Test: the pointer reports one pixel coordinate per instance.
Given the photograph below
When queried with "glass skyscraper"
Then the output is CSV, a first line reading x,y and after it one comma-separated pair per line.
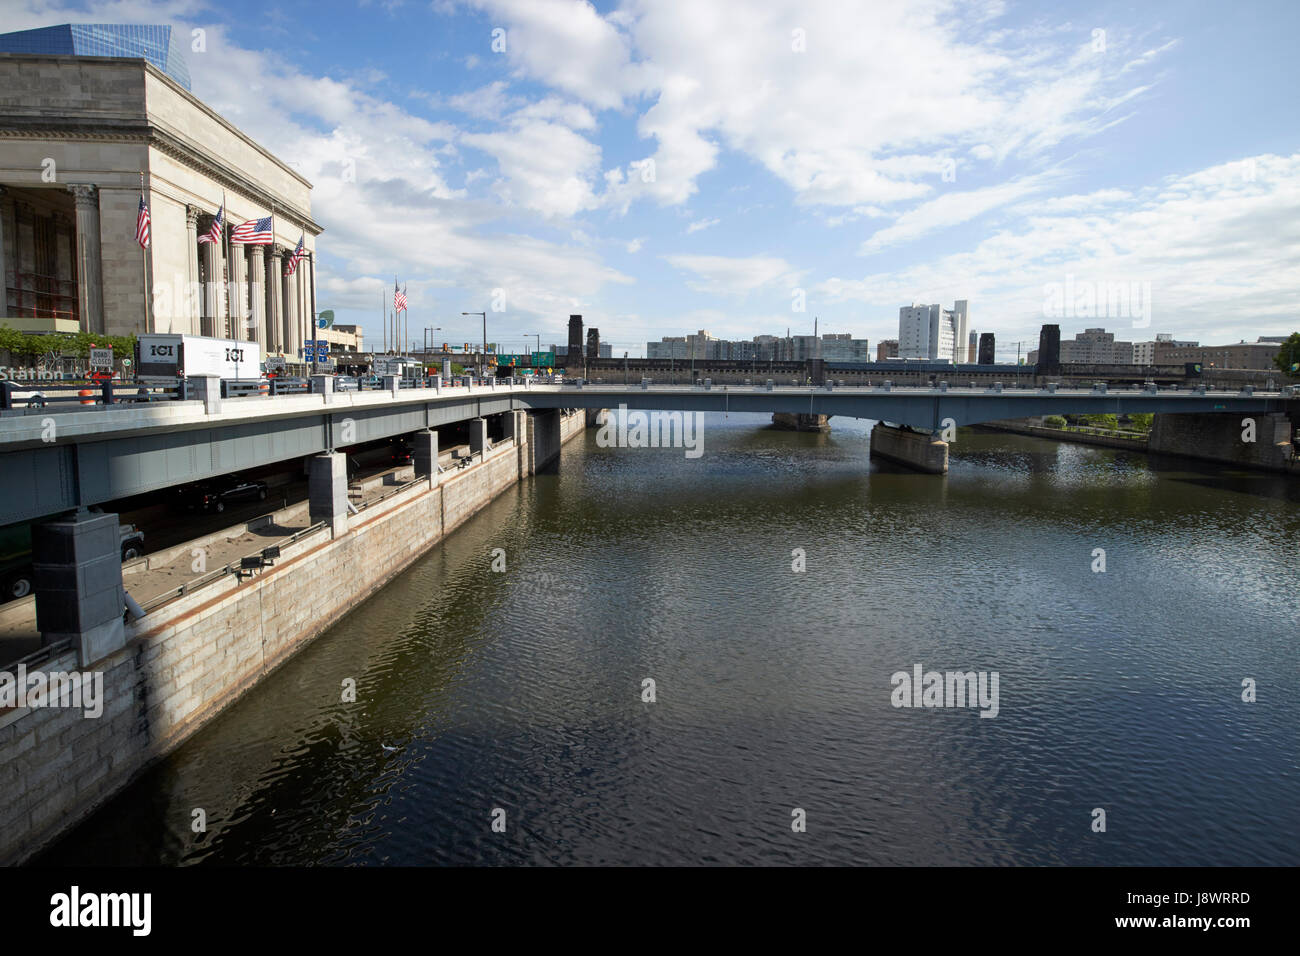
x,y
157,44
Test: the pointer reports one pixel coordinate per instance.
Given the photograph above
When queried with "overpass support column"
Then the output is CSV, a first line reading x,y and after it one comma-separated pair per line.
x,y
327,491
424,454
513,423
921,451
543,439
1222,436
478,440
77,569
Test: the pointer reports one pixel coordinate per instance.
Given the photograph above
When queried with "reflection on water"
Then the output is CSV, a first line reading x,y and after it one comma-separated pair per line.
x,y
522,690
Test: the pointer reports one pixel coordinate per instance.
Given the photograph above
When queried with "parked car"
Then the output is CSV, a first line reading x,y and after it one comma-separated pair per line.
x,y
216,494
346,383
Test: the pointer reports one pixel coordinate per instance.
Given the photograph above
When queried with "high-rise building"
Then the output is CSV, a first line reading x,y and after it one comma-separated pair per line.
x,y
1096,347
575,336
987,349
887,349
933,333
972,347
155,43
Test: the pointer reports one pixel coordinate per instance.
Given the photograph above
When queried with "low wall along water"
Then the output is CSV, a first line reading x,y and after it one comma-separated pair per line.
x,y
192,657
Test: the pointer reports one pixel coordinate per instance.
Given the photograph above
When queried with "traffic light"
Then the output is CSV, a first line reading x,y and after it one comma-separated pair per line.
x,y
444,347
466,346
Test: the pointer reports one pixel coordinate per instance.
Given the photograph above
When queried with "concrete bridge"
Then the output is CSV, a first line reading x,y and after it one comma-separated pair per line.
x,y
53,461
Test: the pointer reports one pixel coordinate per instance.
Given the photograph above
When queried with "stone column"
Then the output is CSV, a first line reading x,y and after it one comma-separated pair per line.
x,y
291,343
274,310
424,454
77,569
4,272
211,290
90,290
256,300
193,295
327,491
235,294
478,440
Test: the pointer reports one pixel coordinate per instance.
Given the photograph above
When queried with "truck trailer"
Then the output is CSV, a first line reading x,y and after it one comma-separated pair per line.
x,y
163,358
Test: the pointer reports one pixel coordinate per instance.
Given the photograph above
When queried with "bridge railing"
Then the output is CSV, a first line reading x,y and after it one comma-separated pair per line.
x,y
16,396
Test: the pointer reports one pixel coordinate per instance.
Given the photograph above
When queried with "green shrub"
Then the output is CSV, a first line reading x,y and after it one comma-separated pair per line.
x,y
1054,421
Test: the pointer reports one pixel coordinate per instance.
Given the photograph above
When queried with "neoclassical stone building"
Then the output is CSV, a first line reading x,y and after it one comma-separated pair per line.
x,y
76,132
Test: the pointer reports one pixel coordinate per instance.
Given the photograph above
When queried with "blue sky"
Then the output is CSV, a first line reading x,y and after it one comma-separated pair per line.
x,y
849,158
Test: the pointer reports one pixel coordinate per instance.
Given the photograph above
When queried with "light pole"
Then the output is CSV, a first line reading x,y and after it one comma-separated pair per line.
x,y
482,365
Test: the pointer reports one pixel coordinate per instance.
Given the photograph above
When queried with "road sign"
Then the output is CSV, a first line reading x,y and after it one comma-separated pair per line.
x,y
275,363
325,319
101,360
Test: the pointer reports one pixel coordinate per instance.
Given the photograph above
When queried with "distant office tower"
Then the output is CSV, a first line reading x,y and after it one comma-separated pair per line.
x,y
160,45
972,347
986,349
887,349
931,332
575,336
593,343
1049,350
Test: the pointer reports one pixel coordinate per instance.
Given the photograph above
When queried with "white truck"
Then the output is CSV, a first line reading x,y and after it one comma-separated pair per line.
x,y
163,358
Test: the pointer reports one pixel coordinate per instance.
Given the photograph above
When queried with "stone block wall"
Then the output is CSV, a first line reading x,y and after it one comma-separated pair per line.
x,y
189,659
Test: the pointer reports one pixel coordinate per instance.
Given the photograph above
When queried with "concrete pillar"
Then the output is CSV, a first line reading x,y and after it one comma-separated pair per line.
x,y
920,451
424,454
323,385
211,323
4,271
513,423
274,308
478,440
77,569
327,491
90,288
292,346
235,295
205,389
256,299
544,430
193,298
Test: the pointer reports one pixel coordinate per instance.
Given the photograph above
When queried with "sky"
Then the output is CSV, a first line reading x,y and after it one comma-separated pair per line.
x,y
753,166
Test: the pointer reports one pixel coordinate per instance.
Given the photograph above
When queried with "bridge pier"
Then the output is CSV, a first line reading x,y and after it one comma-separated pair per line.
x,y
801,422
327,491
921,451
478,436
544,439
1220,436
77,571
424,454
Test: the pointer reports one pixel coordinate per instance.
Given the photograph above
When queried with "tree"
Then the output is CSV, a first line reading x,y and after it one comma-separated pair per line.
x,y
1141,421
1287,358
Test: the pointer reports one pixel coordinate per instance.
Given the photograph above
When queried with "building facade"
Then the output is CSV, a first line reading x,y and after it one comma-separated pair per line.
x,y
933,333
77,134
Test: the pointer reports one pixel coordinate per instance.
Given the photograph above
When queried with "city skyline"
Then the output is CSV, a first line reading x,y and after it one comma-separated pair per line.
x,y
495,157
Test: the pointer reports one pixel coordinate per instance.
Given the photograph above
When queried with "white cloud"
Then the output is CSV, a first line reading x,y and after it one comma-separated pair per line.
x,y
1218,247
950,209
701,224
735,276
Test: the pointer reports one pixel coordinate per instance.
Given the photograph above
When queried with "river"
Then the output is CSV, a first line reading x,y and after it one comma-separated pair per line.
x,y
522,690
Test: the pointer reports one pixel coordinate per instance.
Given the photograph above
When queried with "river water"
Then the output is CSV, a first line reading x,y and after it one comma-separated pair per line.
x,y
522,691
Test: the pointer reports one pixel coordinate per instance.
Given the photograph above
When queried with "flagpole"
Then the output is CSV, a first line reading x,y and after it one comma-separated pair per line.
x,y
225,252
315,332
144,261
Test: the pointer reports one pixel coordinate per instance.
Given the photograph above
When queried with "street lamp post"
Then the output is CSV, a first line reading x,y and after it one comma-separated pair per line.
x,y
482,365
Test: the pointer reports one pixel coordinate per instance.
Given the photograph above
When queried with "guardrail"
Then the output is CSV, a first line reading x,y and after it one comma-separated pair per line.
x,y
232,567
36,395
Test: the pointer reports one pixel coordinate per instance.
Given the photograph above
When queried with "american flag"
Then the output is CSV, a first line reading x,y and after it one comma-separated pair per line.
x,y
255,232
214,234
399,298
294,259
142,225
